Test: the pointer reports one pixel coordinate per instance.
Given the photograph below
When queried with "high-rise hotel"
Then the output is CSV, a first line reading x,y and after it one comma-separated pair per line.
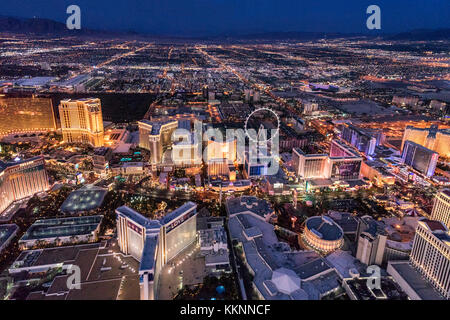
x,y
430,254
156,136
441,208
26,114
432,138
21,179
82,121
155,242
343,163
420,158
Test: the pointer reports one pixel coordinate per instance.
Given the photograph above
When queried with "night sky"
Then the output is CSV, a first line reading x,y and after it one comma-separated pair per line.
x,y
231,17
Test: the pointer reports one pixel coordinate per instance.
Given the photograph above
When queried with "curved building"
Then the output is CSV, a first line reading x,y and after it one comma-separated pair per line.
x,y
323,234
26,114
21,179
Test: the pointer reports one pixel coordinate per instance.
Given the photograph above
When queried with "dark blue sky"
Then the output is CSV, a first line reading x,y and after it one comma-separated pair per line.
x,y
211,17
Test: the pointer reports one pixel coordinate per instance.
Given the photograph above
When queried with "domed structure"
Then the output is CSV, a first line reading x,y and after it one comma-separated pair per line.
x,y
286,280
323,234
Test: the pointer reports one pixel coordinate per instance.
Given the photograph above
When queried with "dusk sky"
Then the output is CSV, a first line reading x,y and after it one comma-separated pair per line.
x,y
212,17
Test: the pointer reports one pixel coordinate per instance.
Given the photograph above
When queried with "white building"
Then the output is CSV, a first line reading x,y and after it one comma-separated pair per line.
x,y
431,254
441,208
155,242
371,241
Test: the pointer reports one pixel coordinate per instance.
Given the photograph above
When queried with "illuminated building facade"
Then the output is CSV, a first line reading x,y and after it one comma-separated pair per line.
x,y
441,207
155,242
377,172
431,254
322,234
22,115
256,165
186,149
100,160
362,140
21,179
156,136
309,166
405,100
420,158
82,121
222,149
432,138
341,164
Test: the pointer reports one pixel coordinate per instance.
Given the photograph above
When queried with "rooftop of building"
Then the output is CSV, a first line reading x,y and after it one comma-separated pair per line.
x,y
415,280
345,264
50,256
372,226
209,237
18,161
388,289
62,227
446,192
188,206
7,231
252,204
345,220
400,231
147,223
101,151
280,273
87,198
303,153
73,81
84,100
432,129
419,146
434,225
324,228
106,274
138,218
34,81
148,253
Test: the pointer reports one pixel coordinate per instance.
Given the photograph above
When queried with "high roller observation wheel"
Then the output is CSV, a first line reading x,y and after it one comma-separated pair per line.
x,y
257,110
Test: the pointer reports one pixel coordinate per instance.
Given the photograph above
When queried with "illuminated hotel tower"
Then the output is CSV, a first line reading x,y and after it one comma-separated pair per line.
x,y
21,179
28,114
431,254
82,121
441,208
432,138
154,243
155,136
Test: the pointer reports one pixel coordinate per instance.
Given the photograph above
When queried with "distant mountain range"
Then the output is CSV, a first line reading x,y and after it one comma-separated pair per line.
x,y
39,26
421,35
43,27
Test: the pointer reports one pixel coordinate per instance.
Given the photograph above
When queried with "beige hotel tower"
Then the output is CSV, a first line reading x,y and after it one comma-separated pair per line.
x,y
82,121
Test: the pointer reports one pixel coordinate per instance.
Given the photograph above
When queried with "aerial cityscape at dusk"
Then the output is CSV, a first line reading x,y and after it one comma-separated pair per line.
x,y
265,164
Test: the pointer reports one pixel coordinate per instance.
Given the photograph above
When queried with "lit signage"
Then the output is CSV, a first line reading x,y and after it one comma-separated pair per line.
x,y
134,227
180,220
